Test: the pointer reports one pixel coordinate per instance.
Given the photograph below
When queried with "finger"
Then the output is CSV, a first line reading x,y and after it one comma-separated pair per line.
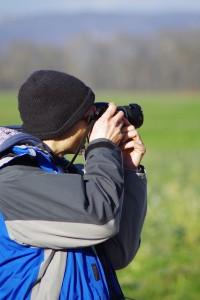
x,y
138,139
110,111
127,145
137,146
127,128
130,135
127,123
119,118
131,132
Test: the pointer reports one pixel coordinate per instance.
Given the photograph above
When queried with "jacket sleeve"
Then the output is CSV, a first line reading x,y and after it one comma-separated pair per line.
x,y
61,211
121,249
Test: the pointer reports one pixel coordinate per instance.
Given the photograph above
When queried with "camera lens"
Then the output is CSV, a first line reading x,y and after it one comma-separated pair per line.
x,y
133,112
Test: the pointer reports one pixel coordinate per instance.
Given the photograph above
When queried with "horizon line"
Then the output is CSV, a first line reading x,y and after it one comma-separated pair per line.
x,y
101,11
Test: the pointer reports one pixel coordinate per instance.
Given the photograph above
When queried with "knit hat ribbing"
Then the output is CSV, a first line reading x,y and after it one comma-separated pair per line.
x,y
51,102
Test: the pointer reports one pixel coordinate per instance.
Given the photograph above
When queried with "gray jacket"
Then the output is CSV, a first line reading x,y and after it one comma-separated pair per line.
x,y
105,207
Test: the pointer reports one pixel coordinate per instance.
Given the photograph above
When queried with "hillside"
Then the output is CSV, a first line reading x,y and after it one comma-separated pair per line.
x,y
60,28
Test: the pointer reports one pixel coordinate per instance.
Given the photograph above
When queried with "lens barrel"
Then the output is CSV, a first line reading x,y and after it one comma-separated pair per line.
x,y
133,112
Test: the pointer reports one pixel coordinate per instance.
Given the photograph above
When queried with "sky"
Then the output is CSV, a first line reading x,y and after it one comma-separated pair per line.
x,y
24,7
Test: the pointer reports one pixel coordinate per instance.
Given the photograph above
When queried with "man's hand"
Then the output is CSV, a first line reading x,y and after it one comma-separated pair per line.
x,y
109,125
132,146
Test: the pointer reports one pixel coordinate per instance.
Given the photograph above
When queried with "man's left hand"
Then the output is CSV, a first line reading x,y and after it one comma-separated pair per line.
x,y
132,146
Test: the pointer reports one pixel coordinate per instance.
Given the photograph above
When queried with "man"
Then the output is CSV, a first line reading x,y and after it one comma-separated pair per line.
x,y
64,231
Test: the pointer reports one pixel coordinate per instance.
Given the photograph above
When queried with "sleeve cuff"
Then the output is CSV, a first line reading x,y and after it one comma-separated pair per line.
x,y
100,143
139,170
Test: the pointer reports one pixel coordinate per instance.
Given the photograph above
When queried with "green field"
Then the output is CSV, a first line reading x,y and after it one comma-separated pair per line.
x,y
167,267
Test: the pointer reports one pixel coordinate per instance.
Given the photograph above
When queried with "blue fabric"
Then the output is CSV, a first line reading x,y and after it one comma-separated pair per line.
x,y
19,137
44,159
19,267
84,277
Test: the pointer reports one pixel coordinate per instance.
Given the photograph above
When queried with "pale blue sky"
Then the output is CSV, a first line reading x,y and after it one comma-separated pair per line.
x,y
18,7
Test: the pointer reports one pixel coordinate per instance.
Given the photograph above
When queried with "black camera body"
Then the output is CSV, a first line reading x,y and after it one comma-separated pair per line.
x,y
132,112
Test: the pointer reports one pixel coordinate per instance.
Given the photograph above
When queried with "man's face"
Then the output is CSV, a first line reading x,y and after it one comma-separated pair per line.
x,y
76,133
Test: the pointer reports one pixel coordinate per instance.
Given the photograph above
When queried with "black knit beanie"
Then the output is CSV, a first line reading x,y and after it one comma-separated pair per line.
x,y
51,102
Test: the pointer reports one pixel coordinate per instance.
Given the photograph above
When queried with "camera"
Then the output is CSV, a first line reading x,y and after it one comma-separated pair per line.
x,y
132,112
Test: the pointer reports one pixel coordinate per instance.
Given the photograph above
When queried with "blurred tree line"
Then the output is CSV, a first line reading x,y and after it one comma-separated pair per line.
x,y
165,61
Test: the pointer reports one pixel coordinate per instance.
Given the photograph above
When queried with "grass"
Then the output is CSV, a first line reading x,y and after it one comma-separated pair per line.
x,y
167,266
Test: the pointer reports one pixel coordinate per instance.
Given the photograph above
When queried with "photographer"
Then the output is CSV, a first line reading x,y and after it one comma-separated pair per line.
x,y
64,232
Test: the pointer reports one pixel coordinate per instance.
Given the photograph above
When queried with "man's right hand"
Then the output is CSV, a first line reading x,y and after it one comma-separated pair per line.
x,y
109,125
